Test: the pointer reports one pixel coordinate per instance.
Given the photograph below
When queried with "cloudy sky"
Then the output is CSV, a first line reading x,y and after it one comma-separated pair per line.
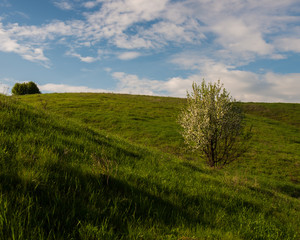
x,y
156,47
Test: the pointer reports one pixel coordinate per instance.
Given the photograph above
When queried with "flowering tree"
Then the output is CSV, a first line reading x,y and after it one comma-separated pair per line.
x,y
213,124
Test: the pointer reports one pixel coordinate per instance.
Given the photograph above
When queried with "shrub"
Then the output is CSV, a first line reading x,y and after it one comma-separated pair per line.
x,y
213,124
25,88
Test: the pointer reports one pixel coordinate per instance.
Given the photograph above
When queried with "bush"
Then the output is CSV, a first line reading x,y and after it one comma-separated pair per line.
x,y
25,88
213,124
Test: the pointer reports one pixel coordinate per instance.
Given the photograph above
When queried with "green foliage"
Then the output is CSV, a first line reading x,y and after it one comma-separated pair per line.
x,y
19,89
32,88
213,124
63,178
25,88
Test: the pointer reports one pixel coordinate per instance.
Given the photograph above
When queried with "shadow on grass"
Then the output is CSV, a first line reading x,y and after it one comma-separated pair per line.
x,y
194,168
64,200
291,190
67,197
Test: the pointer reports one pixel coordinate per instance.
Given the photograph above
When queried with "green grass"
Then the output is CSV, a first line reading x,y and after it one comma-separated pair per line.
x,y
284,112
146,120
106,166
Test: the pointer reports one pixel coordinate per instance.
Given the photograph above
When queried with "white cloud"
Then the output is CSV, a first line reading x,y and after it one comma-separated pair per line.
x,y
39,35
34,54
165,32
284,86
63,88
129,55
107,69
129,83
240,31
115,17
147,10
30,41
87,59
132,42
244,85
234,29
238,37
288,44
64,5
4,88
178,86
92,4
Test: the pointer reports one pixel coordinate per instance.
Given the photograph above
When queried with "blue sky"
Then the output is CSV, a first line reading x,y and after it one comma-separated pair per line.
x,y
157,47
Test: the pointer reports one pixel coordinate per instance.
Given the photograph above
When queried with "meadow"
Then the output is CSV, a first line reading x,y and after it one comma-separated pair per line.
x,y
112,166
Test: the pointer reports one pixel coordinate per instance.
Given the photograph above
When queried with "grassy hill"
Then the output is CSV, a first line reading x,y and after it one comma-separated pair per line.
x,y
107,166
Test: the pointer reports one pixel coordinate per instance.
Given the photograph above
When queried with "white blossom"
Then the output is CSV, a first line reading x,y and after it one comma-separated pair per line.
x,y
213,124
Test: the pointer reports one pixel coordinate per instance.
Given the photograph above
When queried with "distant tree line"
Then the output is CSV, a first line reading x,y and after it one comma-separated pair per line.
x,y
25,88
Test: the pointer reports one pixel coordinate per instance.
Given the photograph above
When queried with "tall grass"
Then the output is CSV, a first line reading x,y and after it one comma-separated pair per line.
x,y
62,178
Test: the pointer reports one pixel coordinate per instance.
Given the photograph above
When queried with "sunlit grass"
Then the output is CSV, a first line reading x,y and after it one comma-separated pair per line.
x,y
107,173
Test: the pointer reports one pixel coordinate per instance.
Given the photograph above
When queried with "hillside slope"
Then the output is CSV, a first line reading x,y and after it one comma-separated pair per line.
x,y
64,179
152,121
